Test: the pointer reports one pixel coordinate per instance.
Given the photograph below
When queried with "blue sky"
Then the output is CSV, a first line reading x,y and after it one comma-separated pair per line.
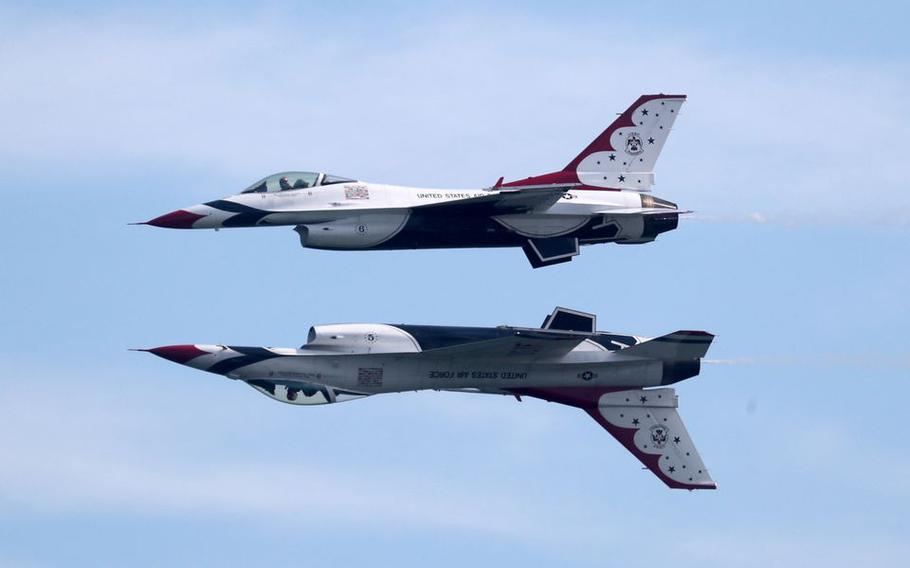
x,y
790,150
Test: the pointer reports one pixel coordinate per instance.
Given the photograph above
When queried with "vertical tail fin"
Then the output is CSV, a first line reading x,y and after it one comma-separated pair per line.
x,y
647,424
623,156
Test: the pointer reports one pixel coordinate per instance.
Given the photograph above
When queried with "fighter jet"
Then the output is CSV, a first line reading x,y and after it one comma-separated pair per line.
x,y
598,197
619,380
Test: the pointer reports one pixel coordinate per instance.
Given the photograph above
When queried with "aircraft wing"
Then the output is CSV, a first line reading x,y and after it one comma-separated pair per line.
x,y
504,200
522,344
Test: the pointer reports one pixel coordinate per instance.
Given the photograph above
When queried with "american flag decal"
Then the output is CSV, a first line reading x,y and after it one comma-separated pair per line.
x,y
369,376
356,192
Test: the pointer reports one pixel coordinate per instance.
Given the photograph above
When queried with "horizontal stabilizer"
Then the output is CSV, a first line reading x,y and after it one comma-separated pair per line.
x,y
647,424
529,198
502,200
676,346
527,345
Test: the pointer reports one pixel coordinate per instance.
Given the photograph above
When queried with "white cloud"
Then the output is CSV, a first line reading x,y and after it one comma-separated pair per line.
x,y
456,103
82,451
758,217
105,447
808,546
817,445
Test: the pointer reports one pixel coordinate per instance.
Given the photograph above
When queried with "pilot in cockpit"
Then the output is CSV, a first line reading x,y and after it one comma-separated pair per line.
x,y
286,185
282,182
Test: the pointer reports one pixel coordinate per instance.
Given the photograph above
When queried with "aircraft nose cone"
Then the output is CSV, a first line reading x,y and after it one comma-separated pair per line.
x,y
178,353
180,219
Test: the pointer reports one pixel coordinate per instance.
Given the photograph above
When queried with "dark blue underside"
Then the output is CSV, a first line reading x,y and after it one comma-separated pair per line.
x,y
461,227
430,230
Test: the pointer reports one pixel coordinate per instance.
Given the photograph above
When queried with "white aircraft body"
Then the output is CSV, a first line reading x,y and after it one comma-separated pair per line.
x,y
599,197
619,380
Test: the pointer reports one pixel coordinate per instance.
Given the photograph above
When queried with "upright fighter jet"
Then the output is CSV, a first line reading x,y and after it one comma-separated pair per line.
x,y
619,380
598,197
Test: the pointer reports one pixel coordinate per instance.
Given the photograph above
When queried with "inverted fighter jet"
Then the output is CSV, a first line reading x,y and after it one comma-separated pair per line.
x,y
619,380
599,197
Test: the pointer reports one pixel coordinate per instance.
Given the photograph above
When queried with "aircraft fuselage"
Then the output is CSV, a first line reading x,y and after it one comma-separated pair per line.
x,y
362,215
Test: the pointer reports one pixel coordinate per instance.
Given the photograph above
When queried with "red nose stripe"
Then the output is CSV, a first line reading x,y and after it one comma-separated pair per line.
x,y
179,219
178,353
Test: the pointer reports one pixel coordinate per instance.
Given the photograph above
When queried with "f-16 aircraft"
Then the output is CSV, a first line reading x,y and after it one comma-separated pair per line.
x,y
619,380
598,197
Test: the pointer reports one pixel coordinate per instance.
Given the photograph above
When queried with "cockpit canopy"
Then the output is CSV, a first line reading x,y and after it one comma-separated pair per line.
x,y
286,181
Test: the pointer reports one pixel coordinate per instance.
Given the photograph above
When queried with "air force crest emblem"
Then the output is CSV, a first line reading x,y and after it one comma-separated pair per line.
x,y
633,144
659,435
